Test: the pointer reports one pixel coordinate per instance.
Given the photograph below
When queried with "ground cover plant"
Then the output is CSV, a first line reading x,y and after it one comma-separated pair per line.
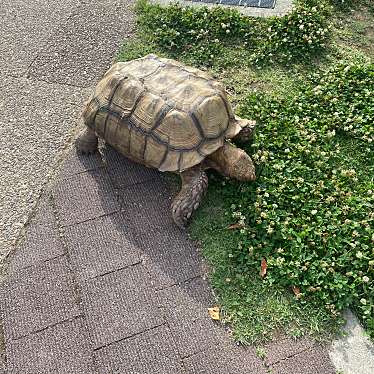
x,y
293,249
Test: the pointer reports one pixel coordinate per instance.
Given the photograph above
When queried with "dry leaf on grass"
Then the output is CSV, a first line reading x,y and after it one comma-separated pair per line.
x,y
296,291
264,266
214,313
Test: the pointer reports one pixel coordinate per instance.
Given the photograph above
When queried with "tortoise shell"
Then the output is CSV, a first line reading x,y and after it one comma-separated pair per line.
x,y
161,113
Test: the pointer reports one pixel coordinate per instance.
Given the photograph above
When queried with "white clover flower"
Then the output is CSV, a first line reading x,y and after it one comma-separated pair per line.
x,y
365,279
313,212
270,230
359,254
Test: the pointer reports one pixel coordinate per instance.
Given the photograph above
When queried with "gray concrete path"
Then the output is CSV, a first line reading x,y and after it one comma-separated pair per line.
x,y
252,9
354,353
101,280
50,52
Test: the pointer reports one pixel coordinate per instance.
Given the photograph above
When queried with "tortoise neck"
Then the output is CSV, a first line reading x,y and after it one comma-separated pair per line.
x,y
232,162
217,160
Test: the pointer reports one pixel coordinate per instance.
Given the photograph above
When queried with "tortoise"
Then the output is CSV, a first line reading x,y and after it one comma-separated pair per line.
x,y
165,115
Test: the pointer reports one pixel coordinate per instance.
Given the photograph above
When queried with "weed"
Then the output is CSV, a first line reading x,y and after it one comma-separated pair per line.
x,y
309,82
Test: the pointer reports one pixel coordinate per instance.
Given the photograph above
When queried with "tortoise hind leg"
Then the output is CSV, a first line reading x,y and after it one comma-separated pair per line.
x,y
87,141
194,186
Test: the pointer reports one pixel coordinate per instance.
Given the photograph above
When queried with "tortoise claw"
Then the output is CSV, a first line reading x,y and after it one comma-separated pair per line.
x,y
87,142
86,152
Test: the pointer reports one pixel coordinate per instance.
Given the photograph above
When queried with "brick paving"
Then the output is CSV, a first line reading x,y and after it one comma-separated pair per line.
x,y
93,290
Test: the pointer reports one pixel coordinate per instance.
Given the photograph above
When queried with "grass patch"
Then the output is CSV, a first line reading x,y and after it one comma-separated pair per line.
x,y
307,78
255,310
355,28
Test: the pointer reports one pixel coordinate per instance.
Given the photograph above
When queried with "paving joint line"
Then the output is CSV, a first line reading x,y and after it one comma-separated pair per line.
x,y
71,176
33,332
91,219
112,179
26,74
76,287
161,309
176,347
14,246
44,192
129,337
40,263
115,271
288,357
196,353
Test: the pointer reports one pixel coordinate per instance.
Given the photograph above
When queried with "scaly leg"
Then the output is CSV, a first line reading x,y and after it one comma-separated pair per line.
x,y
194,185
87,141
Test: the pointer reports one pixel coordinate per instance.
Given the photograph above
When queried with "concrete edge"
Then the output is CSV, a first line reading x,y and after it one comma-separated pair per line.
x,y
282,7
353,353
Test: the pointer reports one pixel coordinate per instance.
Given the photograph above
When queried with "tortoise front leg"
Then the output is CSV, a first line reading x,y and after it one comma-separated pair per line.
x,y
194,185
87,141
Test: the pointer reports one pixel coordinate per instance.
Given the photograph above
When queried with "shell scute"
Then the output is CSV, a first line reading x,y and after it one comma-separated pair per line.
x,y
212,113
146,112
161,113
179,131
